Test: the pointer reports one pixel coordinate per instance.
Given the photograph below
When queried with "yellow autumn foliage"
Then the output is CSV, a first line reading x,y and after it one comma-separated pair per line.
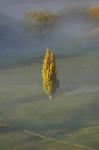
x,y
49,73
93,12
38,19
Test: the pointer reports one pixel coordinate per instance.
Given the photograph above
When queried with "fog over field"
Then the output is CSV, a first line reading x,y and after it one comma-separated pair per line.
x,y
29,120
69,36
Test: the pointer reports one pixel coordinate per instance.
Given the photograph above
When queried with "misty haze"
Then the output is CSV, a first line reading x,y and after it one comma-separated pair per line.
x,y
34,33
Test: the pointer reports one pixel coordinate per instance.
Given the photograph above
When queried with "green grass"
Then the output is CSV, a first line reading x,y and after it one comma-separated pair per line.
x,y
88,136
71,117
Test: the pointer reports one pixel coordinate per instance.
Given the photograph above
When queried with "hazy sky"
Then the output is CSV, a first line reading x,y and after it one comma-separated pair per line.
x,y
17,8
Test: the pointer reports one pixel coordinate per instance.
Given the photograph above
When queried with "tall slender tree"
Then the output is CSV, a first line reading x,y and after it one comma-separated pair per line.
x,y
49,73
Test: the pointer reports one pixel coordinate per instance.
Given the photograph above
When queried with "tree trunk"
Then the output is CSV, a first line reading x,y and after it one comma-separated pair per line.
x,y
50,96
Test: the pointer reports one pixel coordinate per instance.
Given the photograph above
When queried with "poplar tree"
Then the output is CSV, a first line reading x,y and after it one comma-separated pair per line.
x,y
49,73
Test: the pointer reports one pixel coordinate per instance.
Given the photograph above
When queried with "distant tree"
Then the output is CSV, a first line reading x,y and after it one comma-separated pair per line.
x,y
40,19
49,73
93,12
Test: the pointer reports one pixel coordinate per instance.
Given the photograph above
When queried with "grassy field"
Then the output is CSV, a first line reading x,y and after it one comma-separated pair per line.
x,y
30,121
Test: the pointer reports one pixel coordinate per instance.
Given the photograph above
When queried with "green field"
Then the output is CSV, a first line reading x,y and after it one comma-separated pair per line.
x,y
69,121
